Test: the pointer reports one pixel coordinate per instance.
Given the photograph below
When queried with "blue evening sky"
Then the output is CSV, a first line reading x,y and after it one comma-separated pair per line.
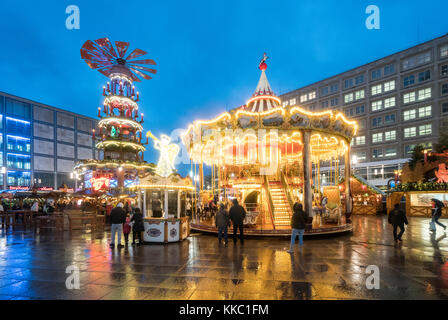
x,y
207,52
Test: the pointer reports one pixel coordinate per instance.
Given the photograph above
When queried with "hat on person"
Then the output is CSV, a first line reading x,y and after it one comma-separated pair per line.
x,y
120,205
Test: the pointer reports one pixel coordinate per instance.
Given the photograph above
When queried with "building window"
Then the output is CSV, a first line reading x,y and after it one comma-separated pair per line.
x,y
377,137
348,83
390,135
312,95
334,102
409,115
410,132
445,107
389,86
389,119
444,89
444,51
376,90
409,97
360,109
292,102
389,69
334,88
18,161
409,148
16,143
359,94
324,105
444,71
425,129
376,122
377,105
409,80
285,103
424,75
389,102
348,98
376,74
18,108
359,79
424,94
303,98
417,60
361,140
377,153
361,156
424,112
390,152
19,178
17,126
324,91
349,112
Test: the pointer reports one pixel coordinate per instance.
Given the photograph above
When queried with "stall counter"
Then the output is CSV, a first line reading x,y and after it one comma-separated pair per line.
x,y
162,230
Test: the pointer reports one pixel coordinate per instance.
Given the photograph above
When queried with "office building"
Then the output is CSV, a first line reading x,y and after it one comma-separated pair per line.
x,y
40,144
398,101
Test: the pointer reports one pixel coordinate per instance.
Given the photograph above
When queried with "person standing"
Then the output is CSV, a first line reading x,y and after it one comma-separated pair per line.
x,y
397,218
126,229
237,215
437,213
117,218
137,226
298,222
222,222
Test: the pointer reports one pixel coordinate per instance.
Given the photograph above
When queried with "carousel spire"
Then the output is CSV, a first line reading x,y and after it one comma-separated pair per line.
x,y
264,98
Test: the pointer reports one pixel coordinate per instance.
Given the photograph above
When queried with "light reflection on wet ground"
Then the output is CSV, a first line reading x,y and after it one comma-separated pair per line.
x,y
32,266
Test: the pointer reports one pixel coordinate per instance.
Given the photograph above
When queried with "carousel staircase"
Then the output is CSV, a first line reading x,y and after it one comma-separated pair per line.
x,y
281,210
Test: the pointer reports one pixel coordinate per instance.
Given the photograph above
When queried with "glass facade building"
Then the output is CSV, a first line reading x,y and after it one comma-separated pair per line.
x,y
40,144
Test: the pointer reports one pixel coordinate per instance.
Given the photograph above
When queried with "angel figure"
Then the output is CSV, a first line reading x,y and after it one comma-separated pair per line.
x,y
168,153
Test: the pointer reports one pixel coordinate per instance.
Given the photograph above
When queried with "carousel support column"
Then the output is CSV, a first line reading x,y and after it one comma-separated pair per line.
x,y
166,205
144,203
347,173
201,176
306,157
139,200
178,203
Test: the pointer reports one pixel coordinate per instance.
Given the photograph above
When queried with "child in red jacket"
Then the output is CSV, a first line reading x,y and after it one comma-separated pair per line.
x,y
127,229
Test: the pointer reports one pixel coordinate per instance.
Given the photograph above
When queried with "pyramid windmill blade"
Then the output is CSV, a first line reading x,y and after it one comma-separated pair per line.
x,y
146,61
131,65
122,47
106,46
136,53
141,74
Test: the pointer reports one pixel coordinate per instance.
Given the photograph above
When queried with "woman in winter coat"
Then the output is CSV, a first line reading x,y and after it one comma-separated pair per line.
x,y
137,227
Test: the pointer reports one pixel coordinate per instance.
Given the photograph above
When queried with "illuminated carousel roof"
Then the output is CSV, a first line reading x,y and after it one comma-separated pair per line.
x,y
264,98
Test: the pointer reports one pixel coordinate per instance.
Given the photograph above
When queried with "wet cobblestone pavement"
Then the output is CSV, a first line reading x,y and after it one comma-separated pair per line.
x,y
32,266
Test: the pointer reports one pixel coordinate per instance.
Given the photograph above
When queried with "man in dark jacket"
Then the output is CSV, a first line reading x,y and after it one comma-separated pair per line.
x,y
237,215
222,222
117,218
298,223
437,213
397,218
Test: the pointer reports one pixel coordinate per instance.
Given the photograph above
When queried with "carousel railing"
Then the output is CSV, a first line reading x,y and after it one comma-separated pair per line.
x,y
287,190
270,202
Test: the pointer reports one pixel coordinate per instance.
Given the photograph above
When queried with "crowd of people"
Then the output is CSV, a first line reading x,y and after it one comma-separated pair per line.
x,y
122,222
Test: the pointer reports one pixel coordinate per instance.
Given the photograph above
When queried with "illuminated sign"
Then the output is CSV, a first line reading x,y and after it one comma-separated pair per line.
x,y
100,183
45,189
18,188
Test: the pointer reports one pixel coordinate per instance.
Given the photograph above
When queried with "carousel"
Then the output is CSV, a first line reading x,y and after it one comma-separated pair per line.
x,y
269,156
